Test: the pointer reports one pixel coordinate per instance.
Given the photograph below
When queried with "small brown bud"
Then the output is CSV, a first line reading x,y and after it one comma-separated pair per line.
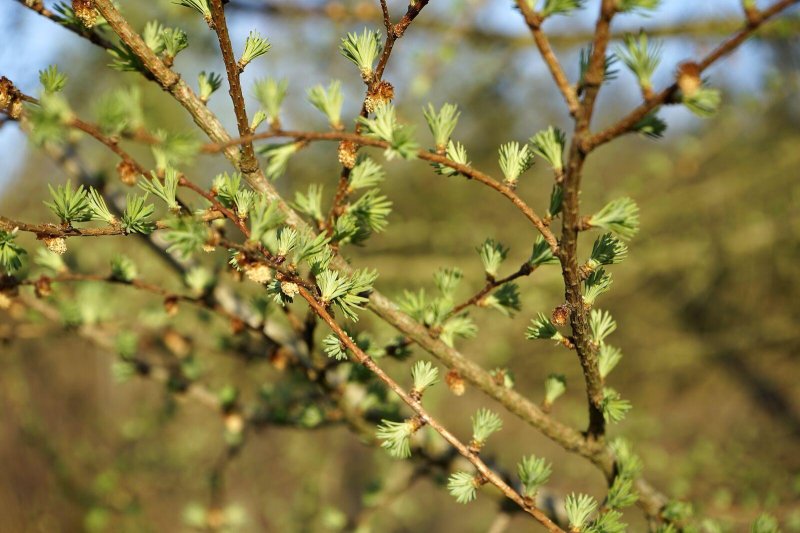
x,y
176,343
127,172
689,79
560,315
381,93
57,245
347,154
237,325
43,287
171,305
85,11
455,382
279,359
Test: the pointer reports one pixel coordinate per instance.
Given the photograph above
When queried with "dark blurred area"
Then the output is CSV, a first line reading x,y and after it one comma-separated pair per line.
x,y
708,301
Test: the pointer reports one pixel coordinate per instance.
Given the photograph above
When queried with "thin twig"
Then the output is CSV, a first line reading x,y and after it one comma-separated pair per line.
x,y
467,170
426,417
627,123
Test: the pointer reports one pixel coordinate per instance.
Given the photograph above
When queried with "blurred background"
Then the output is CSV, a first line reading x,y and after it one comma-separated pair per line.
x,y
707,302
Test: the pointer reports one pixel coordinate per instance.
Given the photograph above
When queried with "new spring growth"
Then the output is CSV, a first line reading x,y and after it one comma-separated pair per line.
x,y
541,254
533,473
651,126
609,73
514,160
136,217
396,436
463,486
610,520
484,424
70,205
99,208
505,299
641,58
579,508
549,145
366,174
614,407
329,101
10,252
621,493
596,284
557,7
166,191
607,359
334,348
554,388
556,201
620,216
385,127
52,80
602,325
44,258
442,124
362,50
270,93
254,46
123,269
765,523
424,375
175,41
207,84
492,255
201,6
174,148
628,464
278,156
345,292
310,203
264,216
607,250
700,100
186,236
200,280
543,328
455,152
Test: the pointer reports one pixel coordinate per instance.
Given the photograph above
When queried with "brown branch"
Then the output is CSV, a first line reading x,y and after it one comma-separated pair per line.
x,y
667,95
172,83
514,402
112,143
50,231
393,33
466,170
427,418
568,251
525,270
248,163
534,22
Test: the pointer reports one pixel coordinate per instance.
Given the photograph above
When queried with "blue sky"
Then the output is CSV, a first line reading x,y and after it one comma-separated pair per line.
x,y
37,42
